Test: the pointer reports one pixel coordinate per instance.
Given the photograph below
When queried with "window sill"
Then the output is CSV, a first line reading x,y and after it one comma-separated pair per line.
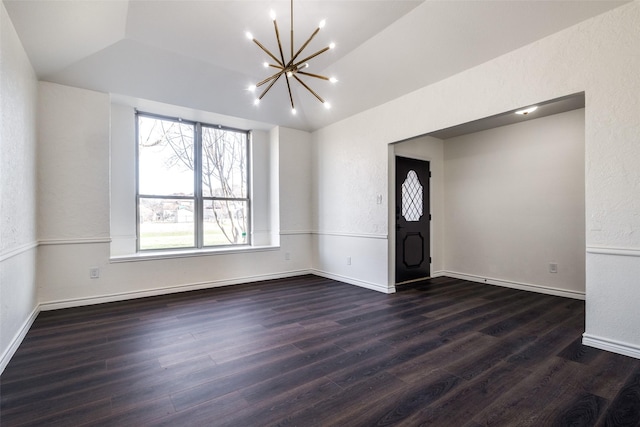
x,y
188,253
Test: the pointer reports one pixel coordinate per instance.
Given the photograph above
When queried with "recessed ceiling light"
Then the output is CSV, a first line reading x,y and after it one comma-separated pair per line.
x,y
526,111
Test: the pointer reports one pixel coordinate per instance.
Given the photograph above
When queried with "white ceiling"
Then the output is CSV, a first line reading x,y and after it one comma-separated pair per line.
x,y
194,53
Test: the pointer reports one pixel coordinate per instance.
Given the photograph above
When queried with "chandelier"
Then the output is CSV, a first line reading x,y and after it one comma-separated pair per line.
x,y
293,68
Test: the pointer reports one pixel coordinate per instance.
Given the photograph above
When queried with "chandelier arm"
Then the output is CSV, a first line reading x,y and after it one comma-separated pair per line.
x,y
275,25
277,76
310,57
268,53
309,89
317,76
293,57
290,61
289,89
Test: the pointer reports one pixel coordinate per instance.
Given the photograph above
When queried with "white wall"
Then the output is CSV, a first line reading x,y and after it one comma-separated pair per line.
x,y
294,202
264,189
122,205
514,202
73,165
294,181
599,56
74,129
18,239
349,175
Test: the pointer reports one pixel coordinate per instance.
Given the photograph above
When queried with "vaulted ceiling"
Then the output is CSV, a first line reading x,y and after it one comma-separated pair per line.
x,y
194,53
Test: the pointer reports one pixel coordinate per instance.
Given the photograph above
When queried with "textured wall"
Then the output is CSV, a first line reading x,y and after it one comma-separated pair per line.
x,y
599,56
18,95
63,272
295,180
122,175
17,159
514,202
73,163
350,172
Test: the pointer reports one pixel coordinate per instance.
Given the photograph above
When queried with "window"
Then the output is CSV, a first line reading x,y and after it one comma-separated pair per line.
x,y
193,184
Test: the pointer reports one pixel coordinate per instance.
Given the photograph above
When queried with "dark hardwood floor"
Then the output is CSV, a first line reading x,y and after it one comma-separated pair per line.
x,y
309,351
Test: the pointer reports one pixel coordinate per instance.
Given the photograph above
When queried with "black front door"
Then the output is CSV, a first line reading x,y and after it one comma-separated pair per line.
x,y
413,256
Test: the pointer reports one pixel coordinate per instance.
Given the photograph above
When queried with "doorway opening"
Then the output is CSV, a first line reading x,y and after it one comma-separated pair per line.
x,y
513,213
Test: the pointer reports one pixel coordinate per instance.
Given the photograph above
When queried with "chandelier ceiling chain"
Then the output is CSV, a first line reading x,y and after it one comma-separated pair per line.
x,y
292,68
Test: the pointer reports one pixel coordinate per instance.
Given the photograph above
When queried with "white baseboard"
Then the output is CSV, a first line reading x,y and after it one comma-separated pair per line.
x,y
356,282
77,302
17,339
516,285
438,273
613,346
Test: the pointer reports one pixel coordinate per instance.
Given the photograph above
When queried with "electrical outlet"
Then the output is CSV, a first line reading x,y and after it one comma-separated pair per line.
x,y
553,267
348,260
287,256
94,273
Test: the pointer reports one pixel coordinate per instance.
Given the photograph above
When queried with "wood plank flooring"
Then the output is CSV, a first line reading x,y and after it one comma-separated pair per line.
x,y
309,351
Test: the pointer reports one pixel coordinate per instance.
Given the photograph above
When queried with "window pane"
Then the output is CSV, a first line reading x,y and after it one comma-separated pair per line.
x,y
225,222
166,223
411,201
165,157
224,163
